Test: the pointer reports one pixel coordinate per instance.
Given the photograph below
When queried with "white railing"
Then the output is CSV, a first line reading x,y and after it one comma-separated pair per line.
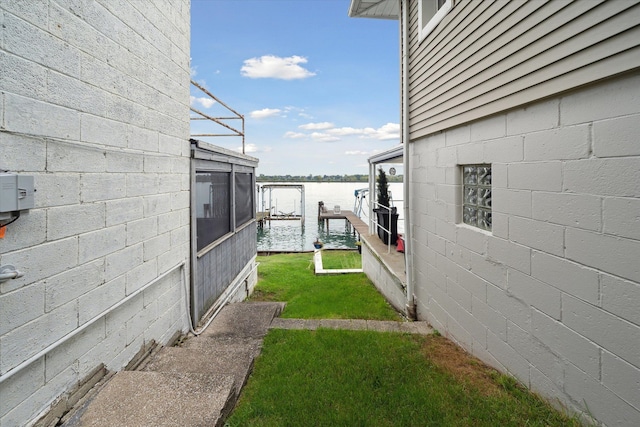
x,y
377,225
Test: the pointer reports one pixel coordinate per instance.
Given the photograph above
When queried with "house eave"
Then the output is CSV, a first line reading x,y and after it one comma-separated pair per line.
x,y
393,155
378,9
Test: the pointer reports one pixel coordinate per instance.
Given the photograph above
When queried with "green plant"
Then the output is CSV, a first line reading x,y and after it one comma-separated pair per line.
x,y
382,193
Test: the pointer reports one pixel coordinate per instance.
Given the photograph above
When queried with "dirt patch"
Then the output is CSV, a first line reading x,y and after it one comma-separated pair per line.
x,y
464,367
259,295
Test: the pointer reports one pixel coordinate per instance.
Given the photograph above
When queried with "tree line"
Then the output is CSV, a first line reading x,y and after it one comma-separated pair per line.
x,y
322,178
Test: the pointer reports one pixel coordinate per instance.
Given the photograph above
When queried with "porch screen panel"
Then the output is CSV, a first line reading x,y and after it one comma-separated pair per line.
x,y
244,198
213,211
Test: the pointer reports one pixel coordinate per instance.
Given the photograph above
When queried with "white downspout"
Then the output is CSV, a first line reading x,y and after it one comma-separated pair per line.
x,y
411,304
372,195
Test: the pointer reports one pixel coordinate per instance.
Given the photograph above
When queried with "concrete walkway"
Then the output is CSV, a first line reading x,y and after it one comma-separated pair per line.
x,y
198,383
421,328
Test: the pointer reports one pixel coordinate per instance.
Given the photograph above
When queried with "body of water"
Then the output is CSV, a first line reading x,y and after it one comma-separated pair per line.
x,y
290,235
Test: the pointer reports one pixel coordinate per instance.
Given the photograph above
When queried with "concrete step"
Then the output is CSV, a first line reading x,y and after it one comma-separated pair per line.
x,y
420,328
196,384
208,356
244,320
134,398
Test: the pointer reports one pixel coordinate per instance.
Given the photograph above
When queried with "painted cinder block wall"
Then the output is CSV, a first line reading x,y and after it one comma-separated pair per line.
x,y
552,293
94,103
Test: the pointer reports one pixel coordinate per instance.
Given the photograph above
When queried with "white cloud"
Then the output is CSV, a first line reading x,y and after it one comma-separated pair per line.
x,y
330,133
317,126
205,102
356,153
253,148
345,131
388,131
323,137
275,67
294,135
264,113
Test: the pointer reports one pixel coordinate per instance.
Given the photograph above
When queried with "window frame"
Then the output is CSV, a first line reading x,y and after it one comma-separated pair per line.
x,y
239,222
205,166
425,28
477,205
229,211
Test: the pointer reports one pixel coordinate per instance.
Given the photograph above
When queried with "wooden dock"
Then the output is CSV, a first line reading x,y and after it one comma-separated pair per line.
x,y
360,226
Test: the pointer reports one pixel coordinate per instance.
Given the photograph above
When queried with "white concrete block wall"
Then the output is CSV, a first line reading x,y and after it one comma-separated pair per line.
x,y
551,294
387,283
94,99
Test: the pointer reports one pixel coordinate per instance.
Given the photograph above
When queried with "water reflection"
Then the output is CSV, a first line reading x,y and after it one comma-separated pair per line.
x,y
291,236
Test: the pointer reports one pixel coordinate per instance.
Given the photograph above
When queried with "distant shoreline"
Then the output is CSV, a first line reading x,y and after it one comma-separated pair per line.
x,y
323,178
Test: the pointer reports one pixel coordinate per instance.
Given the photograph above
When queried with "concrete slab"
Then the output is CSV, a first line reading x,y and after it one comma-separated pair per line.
x,y
334,323
383,326
134,398
311,324
420,328
235,359
223,345
357,324
280,323
244,320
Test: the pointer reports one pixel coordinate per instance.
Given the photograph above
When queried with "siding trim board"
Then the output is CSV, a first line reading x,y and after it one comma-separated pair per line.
x,y
575,38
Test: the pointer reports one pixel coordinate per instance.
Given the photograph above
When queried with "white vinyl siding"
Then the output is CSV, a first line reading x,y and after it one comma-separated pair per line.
x,y
431,12
490,56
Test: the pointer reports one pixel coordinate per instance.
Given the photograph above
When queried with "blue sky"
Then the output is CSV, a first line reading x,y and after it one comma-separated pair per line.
x,y
319,90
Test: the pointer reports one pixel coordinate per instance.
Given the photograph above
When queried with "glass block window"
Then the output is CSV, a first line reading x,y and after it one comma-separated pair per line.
x,y
476,208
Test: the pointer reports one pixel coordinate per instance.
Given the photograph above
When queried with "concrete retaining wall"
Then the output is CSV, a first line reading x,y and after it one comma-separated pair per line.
x,y
551,294
384,280
94,100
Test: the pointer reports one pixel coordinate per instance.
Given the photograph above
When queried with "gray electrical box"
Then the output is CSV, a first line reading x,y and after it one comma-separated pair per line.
x,y
16,192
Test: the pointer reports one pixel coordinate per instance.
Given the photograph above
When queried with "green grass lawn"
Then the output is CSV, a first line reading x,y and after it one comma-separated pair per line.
x,y
364,378
290,278
341,260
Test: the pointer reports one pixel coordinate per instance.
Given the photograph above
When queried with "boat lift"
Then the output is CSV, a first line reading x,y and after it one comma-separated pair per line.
x,y
271,211
360,195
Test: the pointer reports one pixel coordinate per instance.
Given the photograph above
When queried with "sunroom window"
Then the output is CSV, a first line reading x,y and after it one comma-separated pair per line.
x,y
476,200
213,201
